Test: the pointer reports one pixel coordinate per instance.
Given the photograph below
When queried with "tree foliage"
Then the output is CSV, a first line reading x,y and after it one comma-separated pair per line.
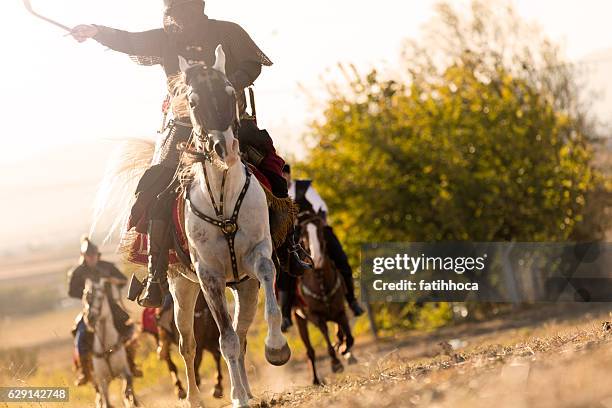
x,y
482,137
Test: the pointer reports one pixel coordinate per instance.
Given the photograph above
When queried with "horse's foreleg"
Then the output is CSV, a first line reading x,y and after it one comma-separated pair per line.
x,y
218,392
302,325
345,328
246,301
277,350
103,393
129,398
213,288
185,294
163,353
336,364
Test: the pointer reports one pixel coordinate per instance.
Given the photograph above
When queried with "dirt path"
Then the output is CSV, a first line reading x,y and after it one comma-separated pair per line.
x,y
548,357
555,357
528,360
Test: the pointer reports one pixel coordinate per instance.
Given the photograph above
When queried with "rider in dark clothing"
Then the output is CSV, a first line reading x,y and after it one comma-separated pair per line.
x,y
93,268
189,33
308,199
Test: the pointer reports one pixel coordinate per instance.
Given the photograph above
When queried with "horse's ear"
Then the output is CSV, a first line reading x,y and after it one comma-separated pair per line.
x,y
183,64
219,59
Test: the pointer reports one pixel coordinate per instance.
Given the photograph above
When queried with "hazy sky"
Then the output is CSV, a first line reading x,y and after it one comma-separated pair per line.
x,y
56,92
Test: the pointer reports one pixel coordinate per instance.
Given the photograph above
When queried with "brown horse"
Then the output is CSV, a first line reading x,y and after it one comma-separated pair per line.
x,y
207,338
322,297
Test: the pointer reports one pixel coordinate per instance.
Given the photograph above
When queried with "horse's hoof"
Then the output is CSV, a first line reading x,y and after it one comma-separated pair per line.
x,y
181,394
350,359
278,357
218,392
238,404
318,382
337,367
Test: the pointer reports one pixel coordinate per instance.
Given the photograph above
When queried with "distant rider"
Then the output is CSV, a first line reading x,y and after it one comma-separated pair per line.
x,y
308,199
93,268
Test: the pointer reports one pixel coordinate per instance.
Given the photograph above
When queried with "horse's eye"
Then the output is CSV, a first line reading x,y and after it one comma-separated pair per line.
x,y
193,100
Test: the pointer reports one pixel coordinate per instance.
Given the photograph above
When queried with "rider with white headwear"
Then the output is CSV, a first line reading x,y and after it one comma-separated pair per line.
x,y
308,199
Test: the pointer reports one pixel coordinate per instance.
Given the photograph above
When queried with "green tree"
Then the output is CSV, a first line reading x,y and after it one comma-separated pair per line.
x,y
484,138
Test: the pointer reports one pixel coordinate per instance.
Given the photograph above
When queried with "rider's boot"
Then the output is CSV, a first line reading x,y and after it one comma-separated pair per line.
x,y
157,281
130,349
355,307
297,267
284,298
84,370
349,284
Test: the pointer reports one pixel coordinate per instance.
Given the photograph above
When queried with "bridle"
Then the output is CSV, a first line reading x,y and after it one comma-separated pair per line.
x,y
307,217
228,226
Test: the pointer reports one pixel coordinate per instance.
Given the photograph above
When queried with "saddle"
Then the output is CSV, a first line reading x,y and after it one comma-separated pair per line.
x,y
282,212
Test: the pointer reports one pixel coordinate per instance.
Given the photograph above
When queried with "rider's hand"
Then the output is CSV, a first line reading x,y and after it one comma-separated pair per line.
x,y
83,32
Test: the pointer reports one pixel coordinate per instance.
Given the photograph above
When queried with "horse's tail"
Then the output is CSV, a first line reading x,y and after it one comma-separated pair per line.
x,y
115,194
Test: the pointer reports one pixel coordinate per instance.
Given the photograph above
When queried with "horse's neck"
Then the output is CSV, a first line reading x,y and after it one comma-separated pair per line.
x,y
106,333
234,182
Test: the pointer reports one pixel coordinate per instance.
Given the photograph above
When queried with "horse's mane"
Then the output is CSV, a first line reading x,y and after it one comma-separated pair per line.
x,y
177,87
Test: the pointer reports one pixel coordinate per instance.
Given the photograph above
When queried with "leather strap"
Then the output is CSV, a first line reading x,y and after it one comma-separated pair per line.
x,y
228,226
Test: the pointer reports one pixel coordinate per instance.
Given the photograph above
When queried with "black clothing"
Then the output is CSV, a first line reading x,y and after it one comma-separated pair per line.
x,y
301,186
78,275
243,57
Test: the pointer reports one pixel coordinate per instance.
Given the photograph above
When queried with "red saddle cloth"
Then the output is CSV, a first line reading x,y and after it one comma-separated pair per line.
x,y
138,250
148,320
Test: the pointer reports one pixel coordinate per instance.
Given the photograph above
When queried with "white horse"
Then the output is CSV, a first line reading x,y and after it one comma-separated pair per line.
x,y
227,226
109,354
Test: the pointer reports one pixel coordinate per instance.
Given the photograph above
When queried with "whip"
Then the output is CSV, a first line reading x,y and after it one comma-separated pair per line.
x,y
28,7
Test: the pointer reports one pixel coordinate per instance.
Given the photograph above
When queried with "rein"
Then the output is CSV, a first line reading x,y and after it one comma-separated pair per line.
x,y
228,226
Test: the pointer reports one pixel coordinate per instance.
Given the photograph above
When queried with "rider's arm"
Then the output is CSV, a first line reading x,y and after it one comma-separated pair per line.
x,y
152,43
245,75
76,282
249,58
115,275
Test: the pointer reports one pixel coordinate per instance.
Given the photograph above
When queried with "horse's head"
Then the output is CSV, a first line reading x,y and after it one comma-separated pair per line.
x,y
93,303
213,108
312,237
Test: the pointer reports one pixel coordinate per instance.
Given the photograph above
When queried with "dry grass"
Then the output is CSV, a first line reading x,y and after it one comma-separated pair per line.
x,y
550,364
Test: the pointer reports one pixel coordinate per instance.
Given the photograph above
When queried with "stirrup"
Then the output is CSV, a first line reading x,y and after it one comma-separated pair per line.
x,y
135,288
153,294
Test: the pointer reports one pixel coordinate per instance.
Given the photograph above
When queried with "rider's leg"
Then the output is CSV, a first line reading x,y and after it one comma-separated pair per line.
x,y
160,240
337,254
160,212
84,356
285,284
295,252
260,151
